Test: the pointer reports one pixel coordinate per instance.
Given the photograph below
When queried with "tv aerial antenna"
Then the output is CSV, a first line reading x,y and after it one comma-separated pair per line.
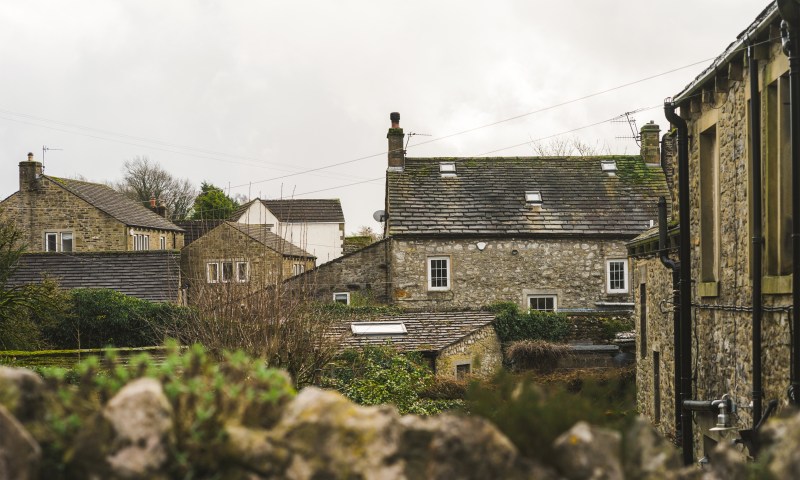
x,y
46,149
412,134
627,118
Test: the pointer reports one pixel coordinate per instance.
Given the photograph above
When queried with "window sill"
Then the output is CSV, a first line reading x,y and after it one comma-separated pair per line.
x,y
776,285
708,289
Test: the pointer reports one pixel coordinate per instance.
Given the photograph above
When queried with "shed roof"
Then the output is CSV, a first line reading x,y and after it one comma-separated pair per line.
x,y
130,212
427,331
487,196
149,275
302,210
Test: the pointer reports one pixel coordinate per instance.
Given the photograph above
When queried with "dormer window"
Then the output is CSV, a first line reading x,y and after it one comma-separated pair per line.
x,y
608,166
447,169
533,197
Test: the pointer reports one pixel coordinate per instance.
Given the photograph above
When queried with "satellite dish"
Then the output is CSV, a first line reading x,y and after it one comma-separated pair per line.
x,y
380,216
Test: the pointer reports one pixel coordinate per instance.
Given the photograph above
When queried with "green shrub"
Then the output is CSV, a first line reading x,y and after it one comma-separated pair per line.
x,y
381,375
102,317
540,355
613,325
511,324
204,395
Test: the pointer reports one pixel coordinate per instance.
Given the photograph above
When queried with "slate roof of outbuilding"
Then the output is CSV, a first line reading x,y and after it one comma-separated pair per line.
x,y
127,211
299,210
261,234
487,197
194,229
150,275
427,331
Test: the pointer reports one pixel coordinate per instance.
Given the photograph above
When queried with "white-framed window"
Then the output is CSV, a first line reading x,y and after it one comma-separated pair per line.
x,y
163,242
298,268
58,241
141,241
463,370
226,268
543,303
212,272
341,297
242,272
438,273
617,276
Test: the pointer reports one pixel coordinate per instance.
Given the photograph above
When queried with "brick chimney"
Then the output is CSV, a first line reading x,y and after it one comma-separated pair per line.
x,y
397,156
650,144
30,174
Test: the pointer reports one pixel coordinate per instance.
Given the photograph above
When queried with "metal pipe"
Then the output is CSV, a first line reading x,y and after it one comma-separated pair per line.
x,y
790,35
685,287
676,317
756,260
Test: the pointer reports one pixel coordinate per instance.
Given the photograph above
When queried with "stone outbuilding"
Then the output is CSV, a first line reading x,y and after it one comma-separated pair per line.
x,y
456,344
546,233
239,258
723,182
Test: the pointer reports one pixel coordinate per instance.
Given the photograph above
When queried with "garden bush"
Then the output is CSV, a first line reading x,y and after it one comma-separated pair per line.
x,y
512,324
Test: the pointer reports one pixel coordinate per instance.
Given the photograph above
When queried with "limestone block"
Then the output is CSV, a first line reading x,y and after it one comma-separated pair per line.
x,y
587,452
22,392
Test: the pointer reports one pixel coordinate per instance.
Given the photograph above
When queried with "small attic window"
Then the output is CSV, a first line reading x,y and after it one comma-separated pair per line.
x,y
608,166
533,197
447,169
378,328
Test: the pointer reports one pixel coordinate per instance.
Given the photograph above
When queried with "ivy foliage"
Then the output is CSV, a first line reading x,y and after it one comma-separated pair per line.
x,y
204,394
511,324
377,375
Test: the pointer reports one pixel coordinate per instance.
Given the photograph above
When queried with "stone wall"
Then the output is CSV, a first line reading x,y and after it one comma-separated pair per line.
x,y
174,240
51,208
481,350
591,327
721,335
363,273
506,270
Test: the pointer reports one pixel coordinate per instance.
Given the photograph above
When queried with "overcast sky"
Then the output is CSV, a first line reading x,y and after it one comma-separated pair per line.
x,y
238,93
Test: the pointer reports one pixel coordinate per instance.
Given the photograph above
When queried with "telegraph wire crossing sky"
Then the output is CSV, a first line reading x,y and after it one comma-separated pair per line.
x,y
279,99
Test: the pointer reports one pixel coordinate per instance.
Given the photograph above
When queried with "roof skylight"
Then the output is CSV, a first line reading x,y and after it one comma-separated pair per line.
x,y
447,169
533,197
608,165
378,328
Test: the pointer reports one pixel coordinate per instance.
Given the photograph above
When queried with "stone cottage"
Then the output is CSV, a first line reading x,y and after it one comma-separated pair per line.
x,y
315,225
547,233
239,258
85,234
456,344
731,336
65,215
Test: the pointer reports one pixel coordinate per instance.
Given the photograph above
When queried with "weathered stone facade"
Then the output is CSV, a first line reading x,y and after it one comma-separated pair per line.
x,y
265,265
720,225
507,270
363,273
480,350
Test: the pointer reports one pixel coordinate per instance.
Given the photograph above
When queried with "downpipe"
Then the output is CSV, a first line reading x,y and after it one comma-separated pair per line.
x,y
685,282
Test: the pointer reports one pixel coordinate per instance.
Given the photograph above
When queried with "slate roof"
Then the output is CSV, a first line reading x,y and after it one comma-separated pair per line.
x,y
127,211
312,210
427,331
194,229
150,275
487,197
261,234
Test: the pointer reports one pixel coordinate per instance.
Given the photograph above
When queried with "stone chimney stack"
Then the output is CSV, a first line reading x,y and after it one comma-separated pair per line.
x,y
161,209
397,156
30,174
650,144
